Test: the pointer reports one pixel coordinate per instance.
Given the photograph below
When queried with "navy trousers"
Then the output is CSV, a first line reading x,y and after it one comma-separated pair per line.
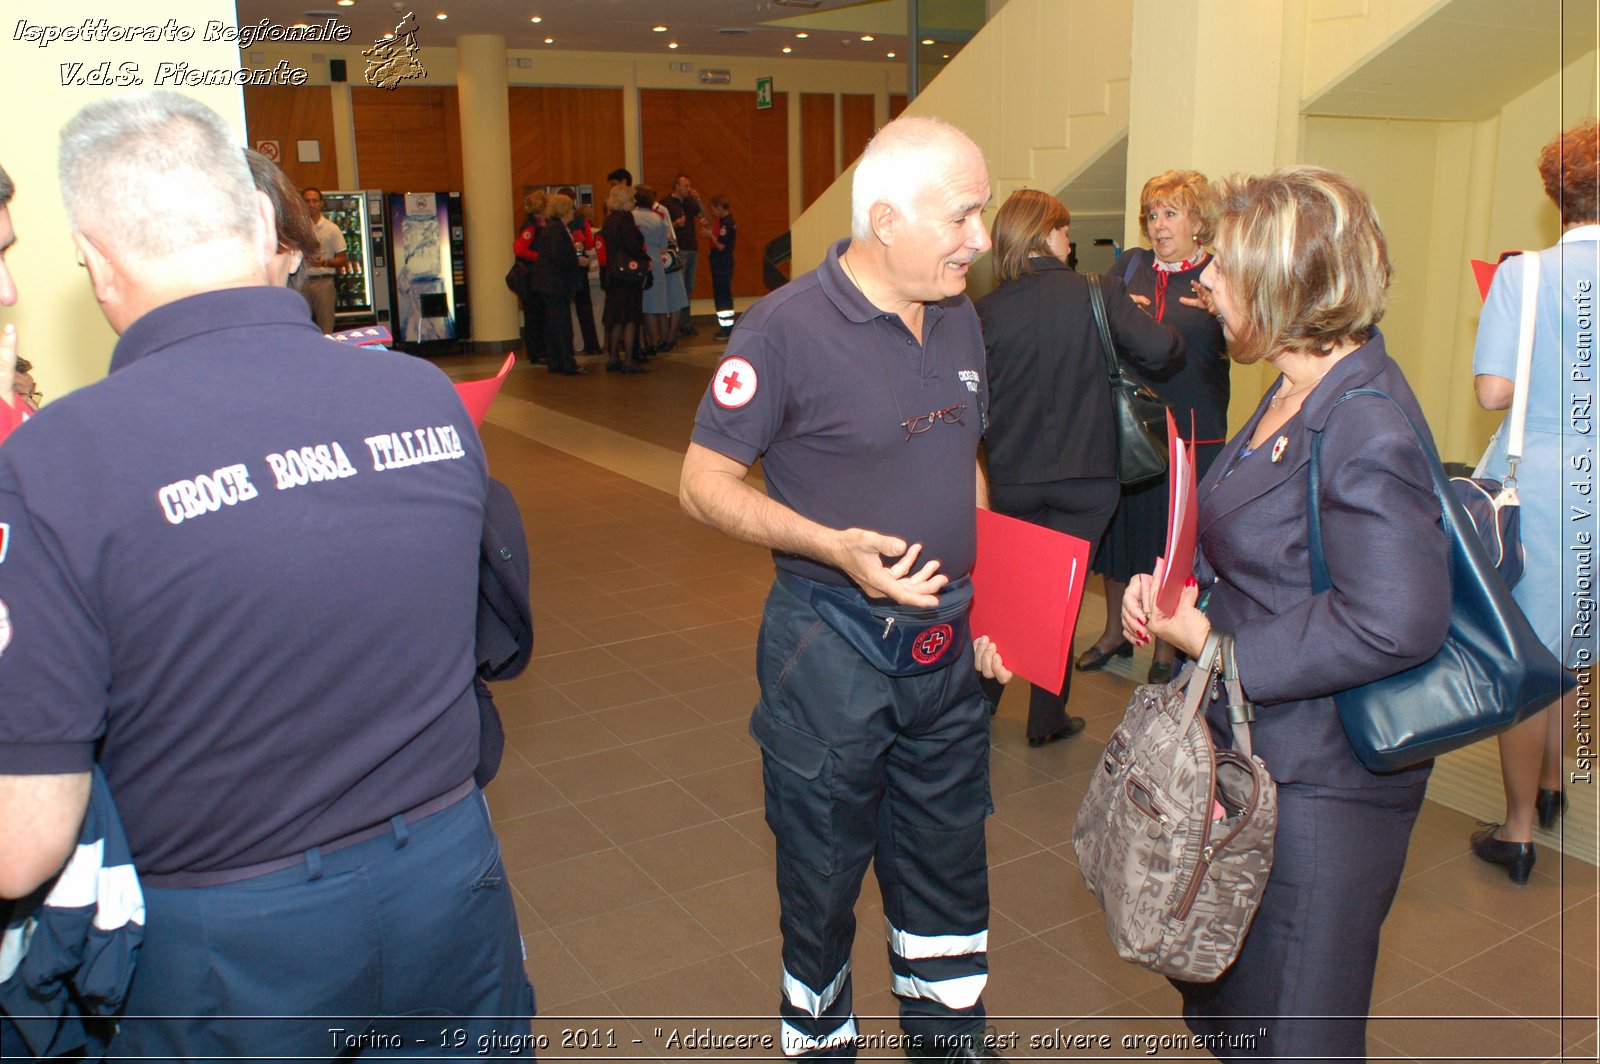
x,y
404,945
1304,976
864,768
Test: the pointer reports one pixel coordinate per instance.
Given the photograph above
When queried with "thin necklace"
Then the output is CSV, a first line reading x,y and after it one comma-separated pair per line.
x,y
1276,399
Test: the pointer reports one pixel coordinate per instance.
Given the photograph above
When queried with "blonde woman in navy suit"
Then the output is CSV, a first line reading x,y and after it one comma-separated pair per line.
x,y
1300,279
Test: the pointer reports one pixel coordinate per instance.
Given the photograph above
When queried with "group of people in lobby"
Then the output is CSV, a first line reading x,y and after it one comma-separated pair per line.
x,y
198,612
654,244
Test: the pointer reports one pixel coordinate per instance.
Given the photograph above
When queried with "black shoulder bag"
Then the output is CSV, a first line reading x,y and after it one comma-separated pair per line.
x,y
1138,413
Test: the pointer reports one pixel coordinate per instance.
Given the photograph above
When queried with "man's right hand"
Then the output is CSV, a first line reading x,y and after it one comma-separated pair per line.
x,y
860,554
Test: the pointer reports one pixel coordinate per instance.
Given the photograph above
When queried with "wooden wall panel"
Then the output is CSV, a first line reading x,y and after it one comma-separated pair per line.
x,y
561,135
725,146
816,146
856,120
288,113
897,103
408,139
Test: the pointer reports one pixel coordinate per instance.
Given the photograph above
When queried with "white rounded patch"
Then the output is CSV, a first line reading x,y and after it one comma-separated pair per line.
x,y
734,384
5,627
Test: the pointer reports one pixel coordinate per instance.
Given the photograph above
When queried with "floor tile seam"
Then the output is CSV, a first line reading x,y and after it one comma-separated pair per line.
x,y
1085,969
1534,1018
616,913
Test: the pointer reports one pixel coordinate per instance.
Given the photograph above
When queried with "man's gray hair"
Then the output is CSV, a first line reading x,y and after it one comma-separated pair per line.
x,y
7,189
894,167
150,173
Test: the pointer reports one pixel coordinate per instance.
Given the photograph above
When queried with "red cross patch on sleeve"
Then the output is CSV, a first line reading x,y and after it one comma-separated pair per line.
x,y
5,539
734,383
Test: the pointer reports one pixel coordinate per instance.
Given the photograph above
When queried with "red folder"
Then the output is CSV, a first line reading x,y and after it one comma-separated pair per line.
x,y
1026,588
1176,564
477,395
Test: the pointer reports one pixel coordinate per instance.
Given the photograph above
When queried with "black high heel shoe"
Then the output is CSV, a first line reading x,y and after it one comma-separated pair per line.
x,y
1549,806
1516,857
1095,658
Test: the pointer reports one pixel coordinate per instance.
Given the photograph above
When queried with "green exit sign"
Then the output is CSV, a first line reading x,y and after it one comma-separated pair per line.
x,y
763,93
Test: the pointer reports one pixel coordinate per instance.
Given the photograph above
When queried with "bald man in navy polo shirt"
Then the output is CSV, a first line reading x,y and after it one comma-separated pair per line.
x,y
860,387
253,606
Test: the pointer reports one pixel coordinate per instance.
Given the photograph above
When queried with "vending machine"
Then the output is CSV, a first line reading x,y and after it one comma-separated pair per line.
x,y
428,267
362,287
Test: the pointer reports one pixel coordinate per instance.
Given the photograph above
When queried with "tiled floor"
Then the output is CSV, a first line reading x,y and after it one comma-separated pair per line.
x,y
629,803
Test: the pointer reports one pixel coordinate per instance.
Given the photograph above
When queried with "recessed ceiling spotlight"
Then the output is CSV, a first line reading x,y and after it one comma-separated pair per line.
x,y
549,40
536,19
802,36
441,16
868,37
658,29
787,49
672,44
347,3
947,55
927,40
888,55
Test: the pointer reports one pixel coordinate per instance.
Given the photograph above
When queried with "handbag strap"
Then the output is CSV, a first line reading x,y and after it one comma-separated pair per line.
x,y
1135,257
1451,517
1519,396
1217,655
1097,304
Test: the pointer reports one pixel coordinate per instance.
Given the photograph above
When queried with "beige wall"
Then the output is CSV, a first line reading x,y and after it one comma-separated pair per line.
x,y
1042,89
59,326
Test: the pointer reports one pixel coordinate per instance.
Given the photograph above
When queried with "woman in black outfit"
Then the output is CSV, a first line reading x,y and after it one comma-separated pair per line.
x,y
555,276
1050,440
525,248
1177,211
624,311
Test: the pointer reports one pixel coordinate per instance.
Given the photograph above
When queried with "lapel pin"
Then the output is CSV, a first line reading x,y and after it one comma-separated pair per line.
x,y
1278,446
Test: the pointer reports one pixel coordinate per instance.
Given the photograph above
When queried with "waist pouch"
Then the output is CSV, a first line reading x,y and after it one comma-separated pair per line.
x,y
894,639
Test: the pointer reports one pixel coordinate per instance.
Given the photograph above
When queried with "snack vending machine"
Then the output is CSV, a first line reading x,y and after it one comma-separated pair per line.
x,y
428,264
361,288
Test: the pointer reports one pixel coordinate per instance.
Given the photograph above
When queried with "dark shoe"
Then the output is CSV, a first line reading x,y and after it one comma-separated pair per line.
x,y
1074,726
1549,806
623,367
1095,658
688,330
1161,672
1517,857
722,335
574,371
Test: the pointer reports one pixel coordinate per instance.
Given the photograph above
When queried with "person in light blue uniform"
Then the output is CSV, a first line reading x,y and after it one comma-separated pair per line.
x,y
1558,450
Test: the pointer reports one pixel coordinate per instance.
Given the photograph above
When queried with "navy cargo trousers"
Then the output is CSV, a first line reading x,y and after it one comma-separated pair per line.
x,y
860,768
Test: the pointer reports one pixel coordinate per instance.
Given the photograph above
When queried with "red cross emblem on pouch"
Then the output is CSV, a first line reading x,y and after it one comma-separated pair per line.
x,y
931,643
734,384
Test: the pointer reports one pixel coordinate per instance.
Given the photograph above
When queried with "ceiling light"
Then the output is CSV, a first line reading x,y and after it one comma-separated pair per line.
x,y
672,44
802,36
787,49
947,55
347,3
549,40
441,16
536,19
927,40
658,29
868,37
888,55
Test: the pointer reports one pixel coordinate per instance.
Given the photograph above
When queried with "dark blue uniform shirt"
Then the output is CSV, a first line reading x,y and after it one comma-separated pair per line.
x,y
243,568
817,382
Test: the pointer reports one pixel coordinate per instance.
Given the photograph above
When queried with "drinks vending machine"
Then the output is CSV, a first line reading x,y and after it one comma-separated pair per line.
x,y
428,266
362,287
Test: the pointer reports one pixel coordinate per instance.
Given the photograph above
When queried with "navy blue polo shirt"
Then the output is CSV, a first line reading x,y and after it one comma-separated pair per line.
x,y
817,382
243,567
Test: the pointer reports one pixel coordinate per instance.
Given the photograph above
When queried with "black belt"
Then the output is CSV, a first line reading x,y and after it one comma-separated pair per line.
x,y
187,880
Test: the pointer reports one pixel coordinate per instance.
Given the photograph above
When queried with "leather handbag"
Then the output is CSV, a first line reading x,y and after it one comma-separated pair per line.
x,y
1139,415
517,276
1175,837
1495,506
671,259
1492,671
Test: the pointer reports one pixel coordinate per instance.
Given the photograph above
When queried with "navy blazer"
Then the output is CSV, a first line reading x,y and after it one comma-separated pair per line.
x,y
1387,556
